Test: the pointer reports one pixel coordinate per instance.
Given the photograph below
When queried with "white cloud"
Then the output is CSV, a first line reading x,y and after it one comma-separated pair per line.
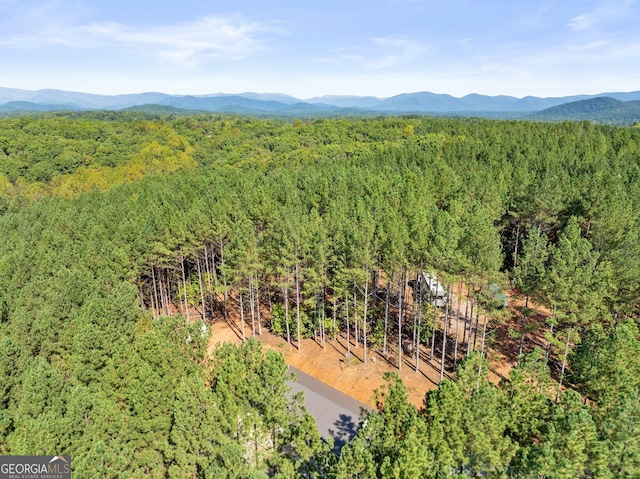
x,y
386,52
403,51
606,12
465,42
189,44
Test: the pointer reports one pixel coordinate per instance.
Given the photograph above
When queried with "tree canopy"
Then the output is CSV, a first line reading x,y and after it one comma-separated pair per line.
x,y
117,228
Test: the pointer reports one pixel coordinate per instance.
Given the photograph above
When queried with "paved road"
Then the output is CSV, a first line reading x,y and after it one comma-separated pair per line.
x,y
337,415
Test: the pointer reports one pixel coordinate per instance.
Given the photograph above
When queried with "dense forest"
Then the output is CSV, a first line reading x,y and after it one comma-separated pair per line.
x,y
122,235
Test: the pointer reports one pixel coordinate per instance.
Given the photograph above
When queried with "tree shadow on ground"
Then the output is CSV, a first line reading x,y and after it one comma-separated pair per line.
x,y
345,431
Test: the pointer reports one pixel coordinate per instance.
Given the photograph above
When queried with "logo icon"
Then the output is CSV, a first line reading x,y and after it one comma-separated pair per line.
x,y
35,467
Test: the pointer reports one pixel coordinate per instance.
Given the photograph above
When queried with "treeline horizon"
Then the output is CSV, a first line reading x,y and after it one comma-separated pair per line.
x,y
109,219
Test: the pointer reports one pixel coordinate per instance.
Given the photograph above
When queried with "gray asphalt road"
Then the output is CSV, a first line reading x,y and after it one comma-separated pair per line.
x,y
337,415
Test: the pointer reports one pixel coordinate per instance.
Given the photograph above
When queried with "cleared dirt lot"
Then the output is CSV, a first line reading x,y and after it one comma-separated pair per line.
x,y
359,381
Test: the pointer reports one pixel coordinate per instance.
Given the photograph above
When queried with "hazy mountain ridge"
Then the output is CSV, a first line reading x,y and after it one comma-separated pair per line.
x,y
280,104
26,106
603,109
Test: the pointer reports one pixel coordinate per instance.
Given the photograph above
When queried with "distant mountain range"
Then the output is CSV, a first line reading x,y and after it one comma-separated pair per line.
x,y
553,108
601,110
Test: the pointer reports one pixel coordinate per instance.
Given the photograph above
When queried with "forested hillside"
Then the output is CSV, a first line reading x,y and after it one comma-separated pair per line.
x,y
603,109
121,233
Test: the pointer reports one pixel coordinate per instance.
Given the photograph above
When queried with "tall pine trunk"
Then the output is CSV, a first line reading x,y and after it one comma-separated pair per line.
x,y
242,314
298,304
200,283
355,313
155,291
364,318
522,327
256,294
207,269
515,252
163,298
455,347
400,307
286,309
224,282
251,307
419,317
346,305
475,330
433,335
470,321
466,317
564,363
334,314
323,315
184,285
484,334
386,317
444,332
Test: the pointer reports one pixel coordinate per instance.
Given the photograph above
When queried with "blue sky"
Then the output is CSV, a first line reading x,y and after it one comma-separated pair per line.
x,y
313,48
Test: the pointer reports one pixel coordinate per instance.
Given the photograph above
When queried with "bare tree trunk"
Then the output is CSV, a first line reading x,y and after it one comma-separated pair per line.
x,y
286,309
400,306
241,314
484,334
364,319
169,296
419,314
346,304
298,303
470,323
160,292
251,307
207,268
163,298
316,322
224,282
257,300
199,270
466,316
184,285
334,313
355,313
323,316
522,327
386,317
455,348
564,363
155,292
433,335
475,330
444,333
415,317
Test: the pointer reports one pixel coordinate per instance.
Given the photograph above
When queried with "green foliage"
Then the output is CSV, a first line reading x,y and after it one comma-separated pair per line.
x,y
252,395
465,415
319,209
570,446
606,367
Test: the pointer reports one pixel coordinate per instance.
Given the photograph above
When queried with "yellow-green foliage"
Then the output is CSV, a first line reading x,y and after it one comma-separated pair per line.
x,y
151,160
67,164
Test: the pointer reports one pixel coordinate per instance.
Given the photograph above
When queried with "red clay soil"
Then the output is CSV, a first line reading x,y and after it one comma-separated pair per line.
x,y
331,366
358,380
